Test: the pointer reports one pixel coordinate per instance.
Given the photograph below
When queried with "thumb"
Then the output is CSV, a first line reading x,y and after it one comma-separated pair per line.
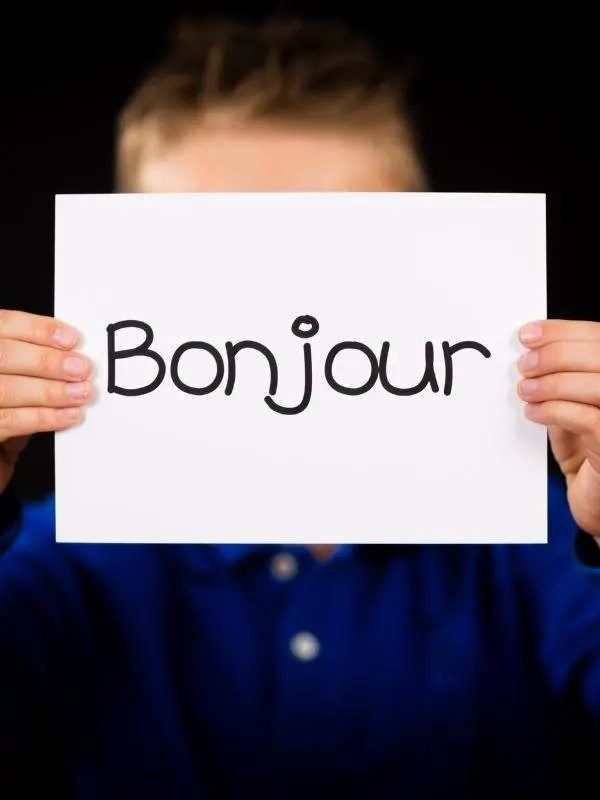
x,y
566,447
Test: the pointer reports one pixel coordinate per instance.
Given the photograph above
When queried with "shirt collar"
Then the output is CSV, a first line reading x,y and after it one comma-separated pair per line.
x,y
207,559
231,555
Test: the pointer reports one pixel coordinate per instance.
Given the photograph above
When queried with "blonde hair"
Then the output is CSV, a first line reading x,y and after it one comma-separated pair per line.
x,y
286,71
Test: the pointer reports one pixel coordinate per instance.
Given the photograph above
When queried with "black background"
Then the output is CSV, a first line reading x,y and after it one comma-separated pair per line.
x,y
502,117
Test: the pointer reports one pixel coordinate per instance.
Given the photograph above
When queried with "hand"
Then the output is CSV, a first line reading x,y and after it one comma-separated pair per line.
x,y
43,382
561,387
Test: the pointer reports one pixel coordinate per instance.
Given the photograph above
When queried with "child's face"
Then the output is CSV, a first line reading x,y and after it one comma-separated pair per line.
x,y
269,159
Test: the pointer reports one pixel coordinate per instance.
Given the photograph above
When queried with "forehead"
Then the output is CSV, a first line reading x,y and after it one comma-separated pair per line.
x,y
270,159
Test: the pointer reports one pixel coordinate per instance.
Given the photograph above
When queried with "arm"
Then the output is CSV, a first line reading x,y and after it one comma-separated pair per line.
x,y
41,389
561,589
40,606
38,634
561,390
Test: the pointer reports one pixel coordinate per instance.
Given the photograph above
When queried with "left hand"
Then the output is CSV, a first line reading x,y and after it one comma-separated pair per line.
x,y
561,388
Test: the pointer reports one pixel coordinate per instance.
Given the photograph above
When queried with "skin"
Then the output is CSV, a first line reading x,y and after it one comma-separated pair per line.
x,y
44,381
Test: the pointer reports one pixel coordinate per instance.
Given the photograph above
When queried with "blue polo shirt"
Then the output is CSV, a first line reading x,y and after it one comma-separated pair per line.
x,y
183,672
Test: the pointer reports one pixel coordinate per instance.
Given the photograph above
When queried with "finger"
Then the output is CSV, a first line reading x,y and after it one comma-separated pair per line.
x,y
561,357
27,421
542,332
578,418
36,329
576,387
22,358
21,392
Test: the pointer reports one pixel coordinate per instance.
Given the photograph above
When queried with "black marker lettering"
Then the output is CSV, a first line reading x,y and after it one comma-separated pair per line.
x,y
200,390
304,327
141,350
449,350
233,349
313,329
429,376
351,390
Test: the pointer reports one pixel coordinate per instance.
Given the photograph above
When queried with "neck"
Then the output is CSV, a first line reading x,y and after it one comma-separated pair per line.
x,y
322,551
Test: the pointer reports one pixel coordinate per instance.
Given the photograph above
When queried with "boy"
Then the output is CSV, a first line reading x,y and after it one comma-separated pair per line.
x,y
241,671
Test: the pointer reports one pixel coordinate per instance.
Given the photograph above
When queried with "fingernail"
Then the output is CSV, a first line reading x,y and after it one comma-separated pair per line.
x,y
75,366
528,361
69,414
66,337
529,386
532,332
77,390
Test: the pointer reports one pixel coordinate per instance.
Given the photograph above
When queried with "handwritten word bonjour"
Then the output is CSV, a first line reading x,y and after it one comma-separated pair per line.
x,y
304,327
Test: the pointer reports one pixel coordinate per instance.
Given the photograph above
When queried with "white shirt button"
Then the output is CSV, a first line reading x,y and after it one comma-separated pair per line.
x,y
284,567
305,646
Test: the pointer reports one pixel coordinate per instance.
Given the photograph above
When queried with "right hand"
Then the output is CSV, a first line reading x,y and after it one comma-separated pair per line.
x,y
40,389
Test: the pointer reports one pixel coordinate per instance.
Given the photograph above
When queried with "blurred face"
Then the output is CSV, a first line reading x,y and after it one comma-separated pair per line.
x,y
269,159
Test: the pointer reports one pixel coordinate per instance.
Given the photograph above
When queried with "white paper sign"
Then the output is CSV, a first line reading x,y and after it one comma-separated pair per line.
x,y
310,368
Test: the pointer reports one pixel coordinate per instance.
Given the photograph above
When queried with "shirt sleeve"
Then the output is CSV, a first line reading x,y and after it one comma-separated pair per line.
x,y
38,633
561,582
